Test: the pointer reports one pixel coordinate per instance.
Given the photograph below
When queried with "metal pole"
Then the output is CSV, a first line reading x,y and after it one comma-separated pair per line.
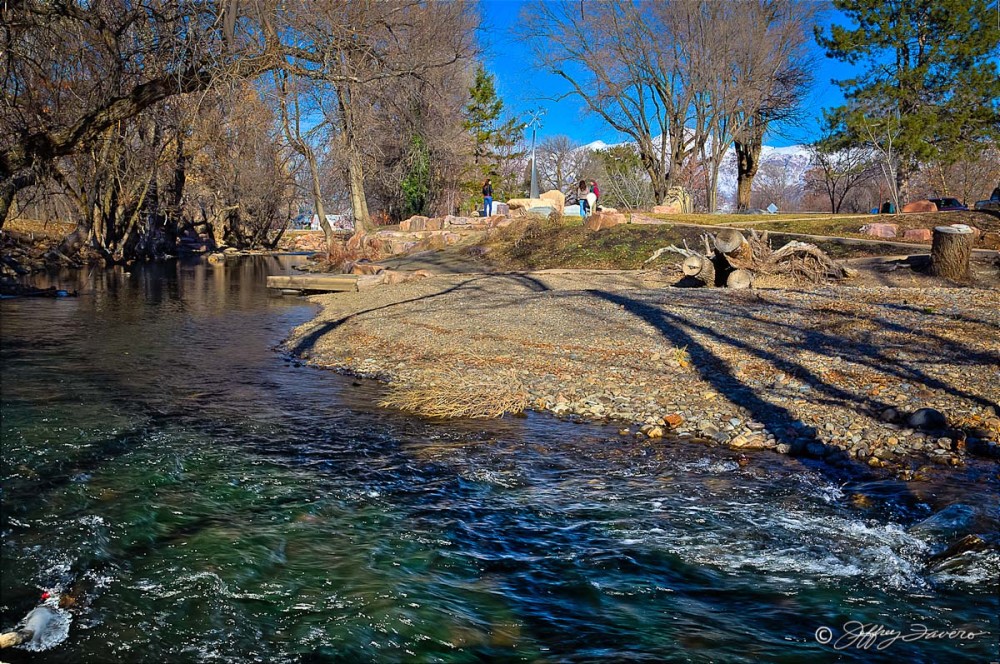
x,y
534,170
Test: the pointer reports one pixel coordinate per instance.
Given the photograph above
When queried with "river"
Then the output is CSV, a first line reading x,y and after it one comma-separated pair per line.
x,y
204,498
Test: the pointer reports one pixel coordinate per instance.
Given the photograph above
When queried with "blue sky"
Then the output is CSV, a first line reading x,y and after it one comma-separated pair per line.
x,y
522,86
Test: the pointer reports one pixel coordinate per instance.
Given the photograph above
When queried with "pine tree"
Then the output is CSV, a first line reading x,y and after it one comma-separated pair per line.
x,y
482,112
930,71
496,137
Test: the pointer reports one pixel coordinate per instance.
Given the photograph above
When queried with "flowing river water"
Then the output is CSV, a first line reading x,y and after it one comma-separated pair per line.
x,y
200,497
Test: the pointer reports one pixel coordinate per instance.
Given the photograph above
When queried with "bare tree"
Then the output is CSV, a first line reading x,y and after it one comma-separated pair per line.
x,y
74,70
655,72
758,79
621,60
561,163
777,184
352,46
837,169
969,178
881,136
291,104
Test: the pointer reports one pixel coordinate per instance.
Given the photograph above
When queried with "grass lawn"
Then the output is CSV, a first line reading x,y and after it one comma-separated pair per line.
x,y
544,244
837,225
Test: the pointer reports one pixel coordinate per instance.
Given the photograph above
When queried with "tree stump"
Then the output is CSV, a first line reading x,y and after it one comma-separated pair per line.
x,y
740,279
950,252
700,268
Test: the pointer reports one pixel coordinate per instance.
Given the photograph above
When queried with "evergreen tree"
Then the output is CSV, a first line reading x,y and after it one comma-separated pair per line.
x,y
496,138
930,71
416,186
482,112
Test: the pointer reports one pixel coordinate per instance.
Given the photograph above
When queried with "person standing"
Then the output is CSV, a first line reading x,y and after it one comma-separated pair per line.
x,y
581,197
596,192
487,198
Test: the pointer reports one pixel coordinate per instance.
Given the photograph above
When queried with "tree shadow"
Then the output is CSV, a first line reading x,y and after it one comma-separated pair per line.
x,y
682,331
308,341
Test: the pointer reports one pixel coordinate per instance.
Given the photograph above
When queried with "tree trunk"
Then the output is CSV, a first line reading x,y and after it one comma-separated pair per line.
x,y
318,197
356,176
747,163
359,202
950,253
904,171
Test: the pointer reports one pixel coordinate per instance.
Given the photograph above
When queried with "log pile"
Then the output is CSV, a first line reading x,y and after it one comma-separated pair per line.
x,y
733,260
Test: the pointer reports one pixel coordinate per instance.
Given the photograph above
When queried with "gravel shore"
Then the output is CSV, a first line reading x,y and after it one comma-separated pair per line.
x,y
839,373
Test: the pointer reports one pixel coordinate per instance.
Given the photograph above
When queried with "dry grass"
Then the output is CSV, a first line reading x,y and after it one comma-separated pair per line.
x,y
36,229
450,393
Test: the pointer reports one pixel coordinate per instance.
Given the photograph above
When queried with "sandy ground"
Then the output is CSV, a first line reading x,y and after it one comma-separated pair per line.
x,y
832,372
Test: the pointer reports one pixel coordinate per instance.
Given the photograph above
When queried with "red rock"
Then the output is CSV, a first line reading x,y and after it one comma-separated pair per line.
x,y
918,235
880,230
602,220
667,209
920,206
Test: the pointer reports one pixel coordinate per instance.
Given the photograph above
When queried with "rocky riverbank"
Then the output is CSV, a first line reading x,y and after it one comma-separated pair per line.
x,y
838,373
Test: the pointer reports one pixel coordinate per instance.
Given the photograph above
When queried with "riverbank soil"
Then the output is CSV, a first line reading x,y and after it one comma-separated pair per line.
x,y
24,249
832,372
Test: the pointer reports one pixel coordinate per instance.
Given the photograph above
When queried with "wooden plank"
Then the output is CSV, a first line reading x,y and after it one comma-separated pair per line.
x,y
312,282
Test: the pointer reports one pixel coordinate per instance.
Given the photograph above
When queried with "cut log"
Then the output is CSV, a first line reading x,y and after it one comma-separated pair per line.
x,y
692,265
16,638
730,241
322,283
740,279
950,251
700,268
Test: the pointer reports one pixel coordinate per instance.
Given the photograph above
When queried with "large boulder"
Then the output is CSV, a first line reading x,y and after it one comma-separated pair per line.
x,y
667,209
435,224
414,223
920,206
603,220
529,203
452,220
501,209
541,211
918,235
880,230
557,197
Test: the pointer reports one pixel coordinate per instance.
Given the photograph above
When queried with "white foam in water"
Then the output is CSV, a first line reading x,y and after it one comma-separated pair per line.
x,y
786,543
50,625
